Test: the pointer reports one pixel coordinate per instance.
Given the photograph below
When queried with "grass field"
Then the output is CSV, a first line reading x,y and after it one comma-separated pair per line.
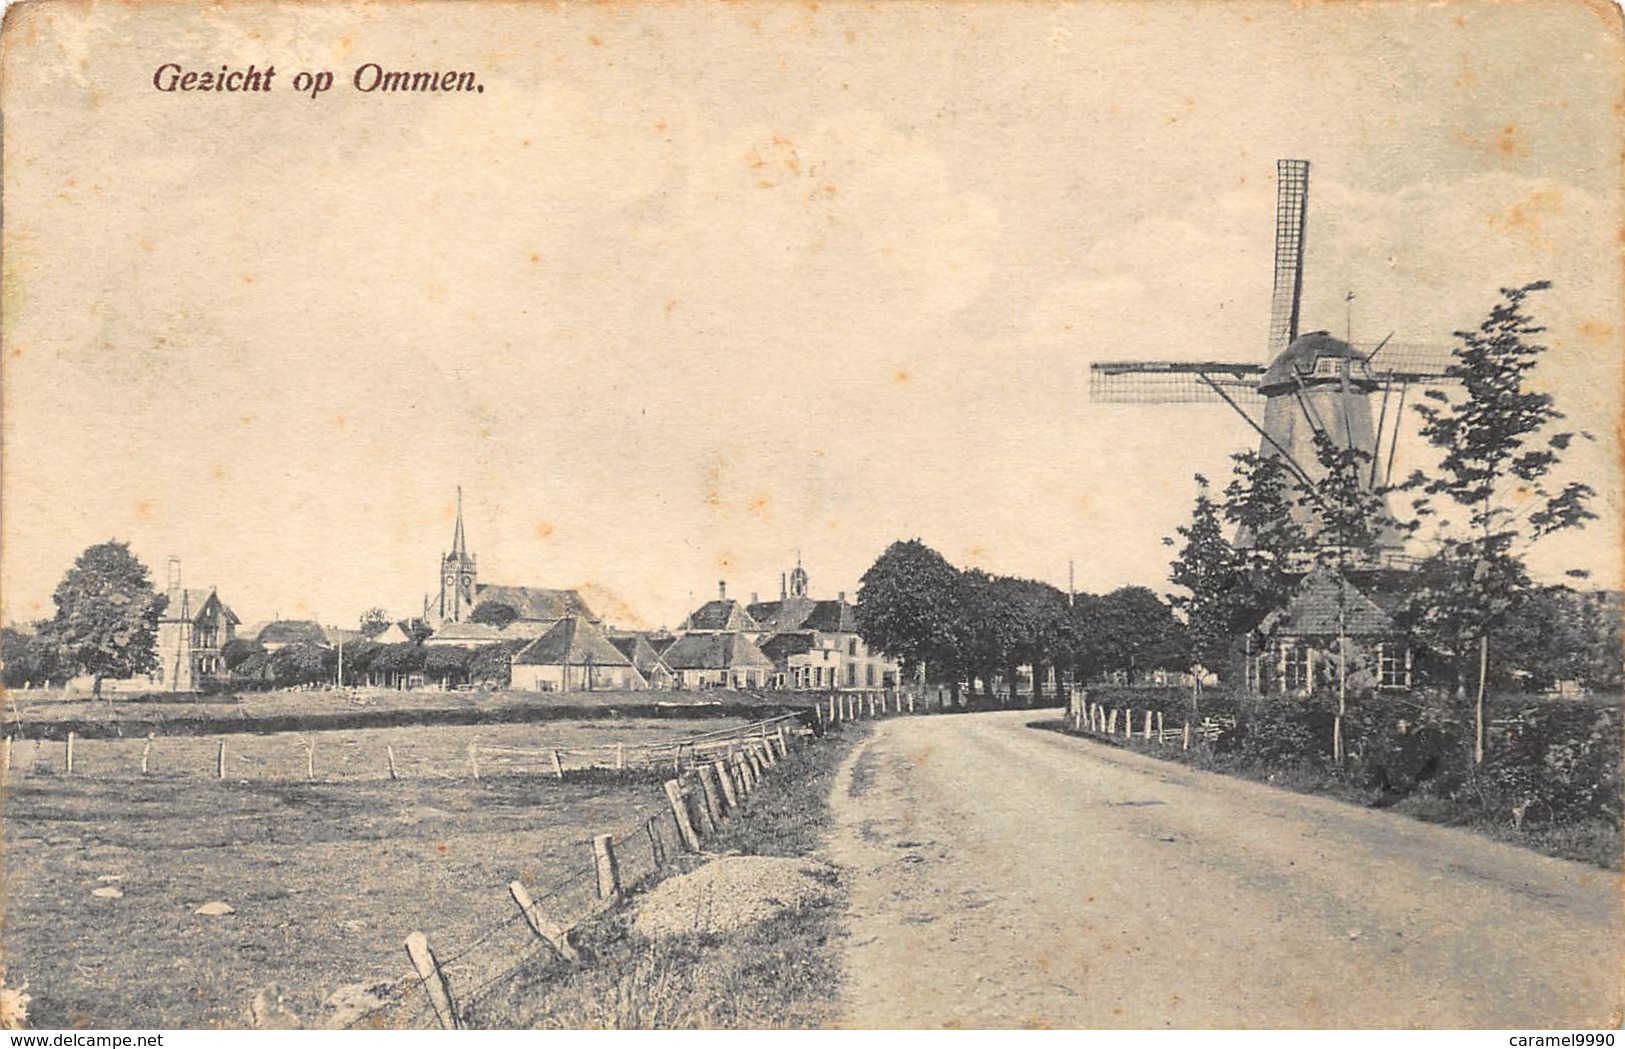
x,y
435,751
327,878
29,714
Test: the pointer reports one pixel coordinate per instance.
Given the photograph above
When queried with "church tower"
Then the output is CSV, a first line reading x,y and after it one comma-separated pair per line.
x,y
457,574
798,579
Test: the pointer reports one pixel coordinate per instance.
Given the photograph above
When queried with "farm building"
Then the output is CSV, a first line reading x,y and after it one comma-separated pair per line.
x,y
281,633
801,660
636,647
718,660
1295,648
574,656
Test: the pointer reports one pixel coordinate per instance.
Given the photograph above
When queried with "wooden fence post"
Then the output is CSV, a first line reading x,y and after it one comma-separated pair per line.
x,y
1111,723
620,756
609,872
674,794
726,781
146,752
783,743
711,792
5,760
1186,743
747,774
473,761
544,928
68,763
220,761
1147,732
757,766
310,759
702,815
390,753
558,764
1159,726
657,847
434,981
911,702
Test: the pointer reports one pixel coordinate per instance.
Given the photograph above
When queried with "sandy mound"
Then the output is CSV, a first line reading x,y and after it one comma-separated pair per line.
x,y
733,892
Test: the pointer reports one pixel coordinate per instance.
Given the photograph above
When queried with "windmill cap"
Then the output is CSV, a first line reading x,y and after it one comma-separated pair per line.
x,y
1301,360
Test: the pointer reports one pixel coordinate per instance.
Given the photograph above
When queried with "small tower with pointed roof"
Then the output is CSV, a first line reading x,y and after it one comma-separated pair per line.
x,y
458,574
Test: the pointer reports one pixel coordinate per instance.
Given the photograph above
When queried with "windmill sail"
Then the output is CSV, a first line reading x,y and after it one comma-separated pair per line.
x,y
1291,220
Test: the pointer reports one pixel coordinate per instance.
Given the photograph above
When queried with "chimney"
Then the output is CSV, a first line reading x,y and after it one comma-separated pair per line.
x,y
784,587
753,596
722,590
842,596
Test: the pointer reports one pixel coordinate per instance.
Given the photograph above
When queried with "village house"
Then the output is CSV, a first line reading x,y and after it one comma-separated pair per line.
x,y
574,656
814,643
720,616
1295,648
718,660
194,627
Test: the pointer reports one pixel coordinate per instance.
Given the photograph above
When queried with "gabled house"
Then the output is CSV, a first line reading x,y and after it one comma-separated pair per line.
x,y
718,660
822,647
574,656
720,616
194,627
636,648
1295,648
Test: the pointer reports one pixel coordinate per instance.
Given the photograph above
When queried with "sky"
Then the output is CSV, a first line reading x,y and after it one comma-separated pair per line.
x,y
692,288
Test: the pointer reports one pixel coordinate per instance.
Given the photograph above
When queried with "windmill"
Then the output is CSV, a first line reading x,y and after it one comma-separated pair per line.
x,y
1308,384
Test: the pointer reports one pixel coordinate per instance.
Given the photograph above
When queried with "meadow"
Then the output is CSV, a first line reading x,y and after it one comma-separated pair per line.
x,y
326,877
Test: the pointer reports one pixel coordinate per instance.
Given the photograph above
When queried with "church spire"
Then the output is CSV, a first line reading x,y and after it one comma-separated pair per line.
x,y
459,548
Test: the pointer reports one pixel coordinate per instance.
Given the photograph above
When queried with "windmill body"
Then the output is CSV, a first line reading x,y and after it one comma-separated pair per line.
x,y
1311,385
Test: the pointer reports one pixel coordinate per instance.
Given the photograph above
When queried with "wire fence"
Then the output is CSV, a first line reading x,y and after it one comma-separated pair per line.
x,y
362,755
460,986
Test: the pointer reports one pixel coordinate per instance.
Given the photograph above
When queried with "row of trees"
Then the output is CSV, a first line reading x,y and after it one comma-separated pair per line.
x,y
964,624
367,662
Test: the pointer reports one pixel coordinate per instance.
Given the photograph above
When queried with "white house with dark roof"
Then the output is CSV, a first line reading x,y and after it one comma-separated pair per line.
x,y
574,656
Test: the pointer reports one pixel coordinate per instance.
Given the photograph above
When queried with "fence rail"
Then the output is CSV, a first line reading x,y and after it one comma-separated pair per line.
x,y
1084,715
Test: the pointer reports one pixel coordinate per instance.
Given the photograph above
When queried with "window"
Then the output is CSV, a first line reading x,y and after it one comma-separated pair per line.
x,y
1393,665
869,675
1296,663
852,646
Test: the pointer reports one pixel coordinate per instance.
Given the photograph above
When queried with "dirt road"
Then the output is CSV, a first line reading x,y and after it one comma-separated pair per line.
x,y
1004,876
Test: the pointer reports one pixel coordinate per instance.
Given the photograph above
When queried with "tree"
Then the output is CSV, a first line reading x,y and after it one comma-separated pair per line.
x,y
398,660
1143,634
31,657
1270,543
909,607
302,664
447,664
493,664
1208,569
1489,493
358,657
494,613
236,651
374,621
107,614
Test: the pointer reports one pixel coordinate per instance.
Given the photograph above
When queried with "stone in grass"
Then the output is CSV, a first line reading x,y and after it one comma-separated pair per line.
x,y
270,1012
108,892
354,1002
215,908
